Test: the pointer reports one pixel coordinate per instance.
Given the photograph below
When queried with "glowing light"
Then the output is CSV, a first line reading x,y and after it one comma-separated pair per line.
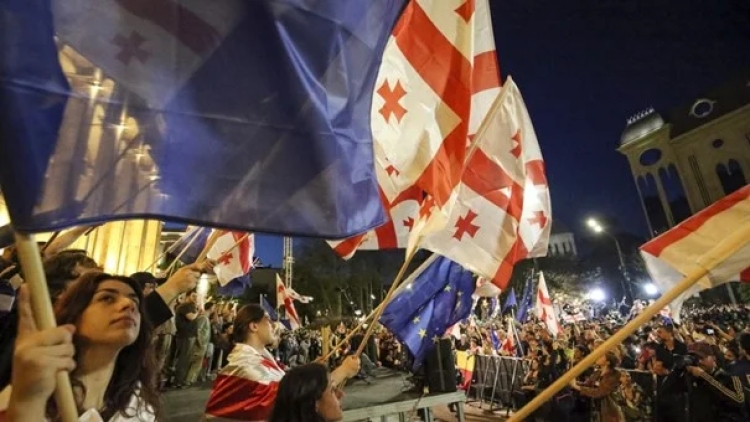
x,y
650,289
597,295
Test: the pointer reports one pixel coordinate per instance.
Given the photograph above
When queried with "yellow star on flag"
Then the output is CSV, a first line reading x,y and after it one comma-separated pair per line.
x,y
422,333
415,320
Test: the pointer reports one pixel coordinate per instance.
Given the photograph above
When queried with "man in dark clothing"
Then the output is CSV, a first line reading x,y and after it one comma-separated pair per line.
x,y
187,330
713,394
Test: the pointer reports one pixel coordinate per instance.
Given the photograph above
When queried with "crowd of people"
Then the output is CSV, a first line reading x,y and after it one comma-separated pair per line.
x,y
117,336
124,339
697,371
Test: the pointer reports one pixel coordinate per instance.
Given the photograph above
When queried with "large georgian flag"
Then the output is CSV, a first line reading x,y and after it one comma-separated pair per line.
x,y
500,213
439,77
678,252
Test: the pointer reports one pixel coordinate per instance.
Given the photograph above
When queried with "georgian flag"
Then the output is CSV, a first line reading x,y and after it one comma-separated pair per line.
x,y
298,297
233,260
545,311
169,40
283,298
426,111
675,254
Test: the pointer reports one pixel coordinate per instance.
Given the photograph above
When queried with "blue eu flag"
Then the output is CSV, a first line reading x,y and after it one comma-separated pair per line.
x,y
429,303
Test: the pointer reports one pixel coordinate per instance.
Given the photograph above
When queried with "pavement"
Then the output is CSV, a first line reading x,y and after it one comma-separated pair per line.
x,y
187,405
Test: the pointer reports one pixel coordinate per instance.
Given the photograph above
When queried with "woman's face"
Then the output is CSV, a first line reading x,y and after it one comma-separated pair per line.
x,y
329,405
112,317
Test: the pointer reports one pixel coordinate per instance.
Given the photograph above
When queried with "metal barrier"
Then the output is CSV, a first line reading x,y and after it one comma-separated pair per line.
x,y
495,378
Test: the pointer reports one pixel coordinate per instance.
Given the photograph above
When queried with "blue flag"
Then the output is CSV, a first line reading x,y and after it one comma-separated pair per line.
x,y
425,307
510,300
526,300
268,308
244,115
235,287
192,243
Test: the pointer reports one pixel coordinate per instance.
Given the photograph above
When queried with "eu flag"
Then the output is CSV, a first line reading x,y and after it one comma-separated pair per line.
x,y
435,298
526,300
244,115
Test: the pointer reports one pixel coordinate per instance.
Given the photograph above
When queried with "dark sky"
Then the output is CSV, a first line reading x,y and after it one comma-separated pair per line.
x,y
585,66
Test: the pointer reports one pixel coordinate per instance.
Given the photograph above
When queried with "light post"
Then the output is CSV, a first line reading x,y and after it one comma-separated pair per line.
x,y
598,229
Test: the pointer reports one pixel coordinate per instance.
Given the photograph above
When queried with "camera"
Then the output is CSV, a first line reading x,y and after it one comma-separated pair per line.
x,y
682,361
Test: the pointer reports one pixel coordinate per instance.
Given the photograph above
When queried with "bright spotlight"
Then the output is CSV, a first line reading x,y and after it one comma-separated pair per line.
x,y
597,229
592,223
597,295
357,312
650,289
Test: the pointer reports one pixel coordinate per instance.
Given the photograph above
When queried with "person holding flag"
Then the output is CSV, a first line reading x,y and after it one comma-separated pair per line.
x,y
246,388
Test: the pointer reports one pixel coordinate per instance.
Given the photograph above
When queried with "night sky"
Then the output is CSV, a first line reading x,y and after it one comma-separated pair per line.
x,y
584,67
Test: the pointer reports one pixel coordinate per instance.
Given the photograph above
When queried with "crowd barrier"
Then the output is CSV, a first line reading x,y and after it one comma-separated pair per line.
x,y
494,379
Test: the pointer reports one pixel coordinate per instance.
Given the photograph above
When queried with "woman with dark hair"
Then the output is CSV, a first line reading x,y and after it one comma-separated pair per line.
x,y
246,388
102,339
307,394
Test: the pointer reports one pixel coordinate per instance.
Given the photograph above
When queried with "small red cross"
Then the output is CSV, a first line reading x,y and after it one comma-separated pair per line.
x,y
465,225
516,151
225,259
466,10
539,218
392,98
391,170
130,47
409,222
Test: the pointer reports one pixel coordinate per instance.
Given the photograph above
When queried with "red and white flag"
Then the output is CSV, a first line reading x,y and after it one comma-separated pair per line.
x,y
439,77
283,298
500,213
298,297
545,311
245,389
232,261
680,251
509,344
150,33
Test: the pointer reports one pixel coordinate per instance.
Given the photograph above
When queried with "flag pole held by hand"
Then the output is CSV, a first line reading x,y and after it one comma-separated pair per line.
x,y
41,305
710,260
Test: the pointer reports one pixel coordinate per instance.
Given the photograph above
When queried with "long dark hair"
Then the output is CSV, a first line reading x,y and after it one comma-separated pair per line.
x,y
298,392
136,367
248,314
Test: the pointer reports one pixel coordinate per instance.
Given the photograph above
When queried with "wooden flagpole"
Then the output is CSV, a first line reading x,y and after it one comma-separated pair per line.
x,y
41,305
190,234
708,262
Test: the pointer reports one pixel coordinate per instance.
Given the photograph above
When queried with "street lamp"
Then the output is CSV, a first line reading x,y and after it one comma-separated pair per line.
x,y
598,228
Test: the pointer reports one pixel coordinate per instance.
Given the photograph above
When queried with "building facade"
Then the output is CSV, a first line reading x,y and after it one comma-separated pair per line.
x,y
562,241
685,160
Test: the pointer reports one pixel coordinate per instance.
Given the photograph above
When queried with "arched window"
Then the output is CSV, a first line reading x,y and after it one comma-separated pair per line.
x,y
678,203
654,210
731,176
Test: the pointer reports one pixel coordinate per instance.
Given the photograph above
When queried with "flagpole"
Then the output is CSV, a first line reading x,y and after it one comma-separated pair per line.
x,y
710,260
380,307
170,249
177,258
387,299
41,305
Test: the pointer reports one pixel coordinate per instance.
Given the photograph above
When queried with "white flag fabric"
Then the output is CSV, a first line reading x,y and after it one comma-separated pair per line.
x,y
500,213
283,298
681,250
232,261
544,308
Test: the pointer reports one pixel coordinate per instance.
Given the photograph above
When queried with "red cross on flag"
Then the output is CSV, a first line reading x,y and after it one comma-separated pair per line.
x,y
675,254
232,259
439,77
500,213
544,309
283,298
137,41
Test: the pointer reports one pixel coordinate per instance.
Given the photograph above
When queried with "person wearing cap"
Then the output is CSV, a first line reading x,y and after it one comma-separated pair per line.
x,y
713,394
